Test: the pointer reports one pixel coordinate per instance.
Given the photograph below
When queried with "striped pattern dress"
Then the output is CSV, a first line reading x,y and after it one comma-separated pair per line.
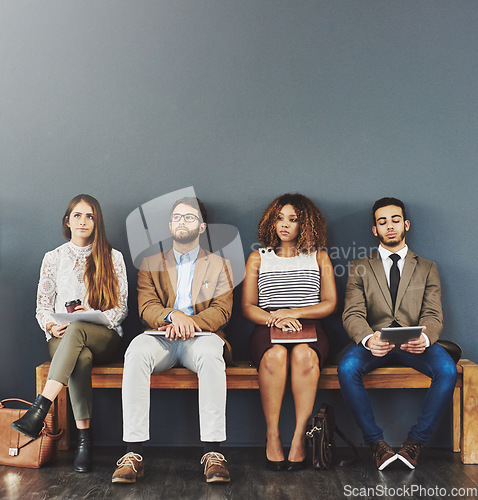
x,y
288,282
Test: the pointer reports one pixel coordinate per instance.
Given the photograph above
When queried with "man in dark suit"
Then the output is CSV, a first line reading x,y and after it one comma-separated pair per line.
x,y
394,287
184,293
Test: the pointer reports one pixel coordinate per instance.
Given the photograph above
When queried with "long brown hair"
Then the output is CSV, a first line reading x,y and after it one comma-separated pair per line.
x,y
312,225
102,288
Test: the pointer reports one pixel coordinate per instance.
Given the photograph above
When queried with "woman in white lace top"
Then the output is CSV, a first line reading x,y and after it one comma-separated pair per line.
x,y
85,268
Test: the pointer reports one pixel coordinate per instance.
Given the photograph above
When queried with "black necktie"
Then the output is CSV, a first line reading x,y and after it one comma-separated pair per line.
x,y
394,278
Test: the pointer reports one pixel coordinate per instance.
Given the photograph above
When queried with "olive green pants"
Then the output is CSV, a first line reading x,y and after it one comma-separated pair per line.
x,y
73,356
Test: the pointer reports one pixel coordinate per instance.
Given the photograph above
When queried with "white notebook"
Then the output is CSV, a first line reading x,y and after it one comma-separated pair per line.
x,y
96,317
162,332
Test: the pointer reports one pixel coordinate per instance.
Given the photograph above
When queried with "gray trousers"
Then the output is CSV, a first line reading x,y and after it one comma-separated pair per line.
x,y
149,354
73,356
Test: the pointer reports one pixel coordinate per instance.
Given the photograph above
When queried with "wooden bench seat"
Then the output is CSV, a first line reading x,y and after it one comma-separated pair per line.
x,y
243,376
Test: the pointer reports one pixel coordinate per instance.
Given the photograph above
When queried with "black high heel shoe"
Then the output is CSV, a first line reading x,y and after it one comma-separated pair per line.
x,y
295,466
275,465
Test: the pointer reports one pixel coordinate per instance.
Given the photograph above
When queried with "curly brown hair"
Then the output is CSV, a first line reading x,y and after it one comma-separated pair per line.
x,y
312,225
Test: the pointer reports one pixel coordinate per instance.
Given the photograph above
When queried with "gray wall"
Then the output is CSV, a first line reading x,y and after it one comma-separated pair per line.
x,y
344,101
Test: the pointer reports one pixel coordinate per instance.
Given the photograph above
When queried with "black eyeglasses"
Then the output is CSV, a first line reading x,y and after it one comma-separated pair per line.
x,y
188,218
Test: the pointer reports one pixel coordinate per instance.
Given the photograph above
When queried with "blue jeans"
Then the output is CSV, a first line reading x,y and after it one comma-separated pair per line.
x,y
434,362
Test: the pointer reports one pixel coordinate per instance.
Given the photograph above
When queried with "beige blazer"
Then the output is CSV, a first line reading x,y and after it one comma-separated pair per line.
x,y
212,288
368,303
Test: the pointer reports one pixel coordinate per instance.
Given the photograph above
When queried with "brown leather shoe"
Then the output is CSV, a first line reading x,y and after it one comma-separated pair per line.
x,y
409,452
215,468
382,454
129,468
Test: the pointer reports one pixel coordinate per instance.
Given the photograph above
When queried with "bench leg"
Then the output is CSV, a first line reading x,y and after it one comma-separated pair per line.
x,y
469,436
457,395
63,415
41,379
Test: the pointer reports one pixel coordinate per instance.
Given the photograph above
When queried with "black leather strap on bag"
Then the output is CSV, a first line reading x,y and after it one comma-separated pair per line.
x,y
349,443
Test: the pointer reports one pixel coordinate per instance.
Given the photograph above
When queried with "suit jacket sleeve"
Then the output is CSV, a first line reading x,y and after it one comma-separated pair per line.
x,y
152,302
431,314
355,311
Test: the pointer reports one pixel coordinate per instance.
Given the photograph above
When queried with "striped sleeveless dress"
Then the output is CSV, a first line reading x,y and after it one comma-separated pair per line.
x,y
287,283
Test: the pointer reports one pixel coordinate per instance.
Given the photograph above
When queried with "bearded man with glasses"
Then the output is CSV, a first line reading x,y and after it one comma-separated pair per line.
x,y
185,299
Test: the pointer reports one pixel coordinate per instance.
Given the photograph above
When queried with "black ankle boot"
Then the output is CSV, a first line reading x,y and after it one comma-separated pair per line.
x,y
82,461
31,424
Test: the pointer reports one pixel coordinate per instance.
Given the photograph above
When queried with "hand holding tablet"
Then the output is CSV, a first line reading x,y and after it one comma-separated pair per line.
x,y
401,335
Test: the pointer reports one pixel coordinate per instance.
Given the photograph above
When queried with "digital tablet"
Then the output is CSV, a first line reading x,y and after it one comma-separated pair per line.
x,y
401,334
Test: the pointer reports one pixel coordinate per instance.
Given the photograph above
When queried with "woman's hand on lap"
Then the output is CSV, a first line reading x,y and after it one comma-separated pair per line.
x,y
288,323
279,315
58,330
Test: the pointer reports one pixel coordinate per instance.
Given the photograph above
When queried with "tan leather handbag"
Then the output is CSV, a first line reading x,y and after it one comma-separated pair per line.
x,y
19,450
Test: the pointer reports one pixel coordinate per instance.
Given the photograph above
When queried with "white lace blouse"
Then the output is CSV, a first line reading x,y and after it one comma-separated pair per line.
x,y
61,280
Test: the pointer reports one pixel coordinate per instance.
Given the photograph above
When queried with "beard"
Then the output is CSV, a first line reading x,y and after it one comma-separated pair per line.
x,y
392,243
185,237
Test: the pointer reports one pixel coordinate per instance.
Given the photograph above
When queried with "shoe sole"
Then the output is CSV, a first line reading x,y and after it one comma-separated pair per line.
x,y
124,480
15,427
405,461
296,468
388,462
218,480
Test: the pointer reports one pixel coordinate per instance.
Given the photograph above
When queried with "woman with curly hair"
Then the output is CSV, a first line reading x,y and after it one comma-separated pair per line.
x,y
289,283
88,269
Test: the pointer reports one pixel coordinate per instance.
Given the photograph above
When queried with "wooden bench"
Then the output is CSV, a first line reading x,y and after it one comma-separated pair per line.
x,y
242,376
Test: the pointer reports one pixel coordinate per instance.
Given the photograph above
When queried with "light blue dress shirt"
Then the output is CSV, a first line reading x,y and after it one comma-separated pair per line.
x,y
185,265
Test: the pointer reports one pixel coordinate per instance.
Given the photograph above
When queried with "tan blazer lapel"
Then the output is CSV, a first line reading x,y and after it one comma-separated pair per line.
x,y
377,267
200,270
407,272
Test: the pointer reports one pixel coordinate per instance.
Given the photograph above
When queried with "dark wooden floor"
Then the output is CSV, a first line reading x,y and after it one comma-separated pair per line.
x,y
175,473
